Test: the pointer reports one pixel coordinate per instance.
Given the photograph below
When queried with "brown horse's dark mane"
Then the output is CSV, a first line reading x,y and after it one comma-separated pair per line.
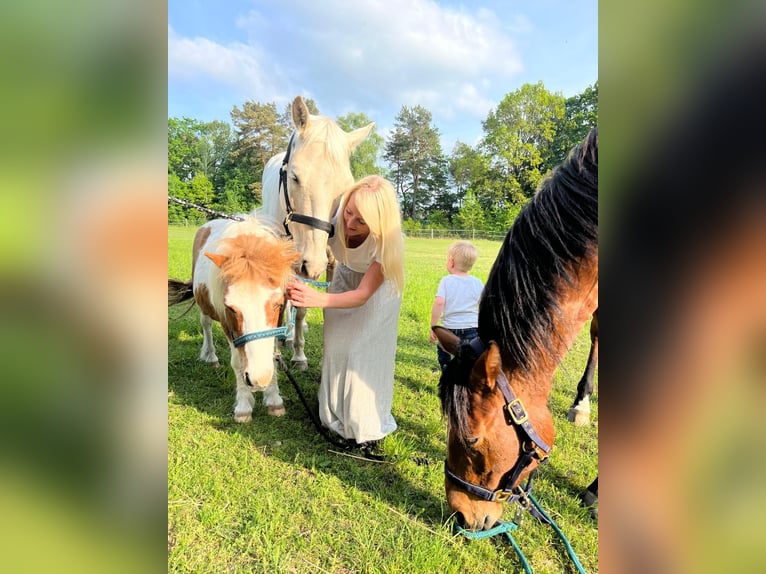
x,y
540,254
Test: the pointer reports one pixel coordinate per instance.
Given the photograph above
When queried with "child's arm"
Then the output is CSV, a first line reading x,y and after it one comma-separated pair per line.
x,y
436,313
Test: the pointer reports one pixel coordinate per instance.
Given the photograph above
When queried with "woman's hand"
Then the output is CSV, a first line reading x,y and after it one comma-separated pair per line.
x,y
301,295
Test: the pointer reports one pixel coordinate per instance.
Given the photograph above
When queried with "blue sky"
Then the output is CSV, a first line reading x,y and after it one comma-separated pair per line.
x,y
456,59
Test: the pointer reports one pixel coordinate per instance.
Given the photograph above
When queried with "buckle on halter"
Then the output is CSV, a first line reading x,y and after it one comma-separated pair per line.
x,y
523,499
502,495
288,217
516,410
532,447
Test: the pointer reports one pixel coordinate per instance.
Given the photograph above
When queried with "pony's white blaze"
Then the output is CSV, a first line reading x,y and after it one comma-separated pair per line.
x,y
252,356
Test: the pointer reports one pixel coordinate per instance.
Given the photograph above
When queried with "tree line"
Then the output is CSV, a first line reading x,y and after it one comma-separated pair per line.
x,y
219,165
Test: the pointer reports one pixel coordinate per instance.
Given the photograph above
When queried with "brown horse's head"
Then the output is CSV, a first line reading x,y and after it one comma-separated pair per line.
x,y
484,445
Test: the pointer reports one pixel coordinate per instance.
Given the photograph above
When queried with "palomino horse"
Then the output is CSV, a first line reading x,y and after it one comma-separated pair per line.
x,y
302,189
240,282
541,291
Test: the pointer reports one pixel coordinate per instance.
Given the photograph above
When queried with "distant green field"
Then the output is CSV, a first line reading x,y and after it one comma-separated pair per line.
x,y
269,496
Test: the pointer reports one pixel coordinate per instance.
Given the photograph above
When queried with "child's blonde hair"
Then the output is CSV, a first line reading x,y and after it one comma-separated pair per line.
x,y
463,254
377,204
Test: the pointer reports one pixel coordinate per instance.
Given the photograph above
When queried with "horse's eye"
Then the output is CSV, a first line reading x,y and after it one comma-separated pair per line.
x,y
471,441
295,179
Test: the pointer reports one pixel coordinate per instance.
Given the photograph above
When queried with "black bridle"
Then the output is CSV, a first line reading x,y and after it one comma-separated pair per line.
x,y
532,447
291,215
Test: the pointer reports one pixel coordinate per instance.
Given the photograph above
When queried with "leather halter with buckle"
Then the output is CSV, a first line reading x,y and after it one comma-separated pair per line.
x,y
325,226
533,447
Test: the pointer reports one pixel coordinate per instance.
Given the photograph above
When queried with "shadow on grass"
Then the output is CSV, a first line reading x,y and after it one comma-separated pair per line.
x,y
293,438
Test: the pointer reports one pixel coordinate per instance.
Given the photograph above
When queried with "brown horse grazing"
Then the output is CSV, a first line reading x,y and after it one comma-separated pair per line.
x,y
541,291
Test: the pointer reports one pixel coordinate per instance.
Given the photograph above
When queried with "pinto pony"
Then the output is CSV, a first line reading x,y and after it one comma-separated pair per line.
x,y
240,282
541,291
302,188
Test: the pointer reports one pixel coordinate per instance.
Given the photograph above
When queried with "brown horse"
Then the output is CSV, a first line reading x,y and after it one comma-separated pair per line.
x,y
541,291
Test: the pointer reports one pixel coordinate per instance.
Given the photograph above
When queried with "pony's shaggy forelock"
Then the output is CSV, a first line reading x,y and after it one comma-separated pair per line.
x,y
254,257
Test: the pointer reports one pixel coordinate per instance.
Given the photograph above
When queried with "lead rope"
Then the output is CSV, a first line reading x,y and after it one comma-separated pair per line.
x,y
506,528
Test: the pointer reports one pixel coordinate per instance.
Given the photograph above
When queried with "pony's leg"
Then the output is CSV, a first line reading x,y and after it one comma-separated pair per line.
x,y
590,498
579,412
207,353
299,360
272,398
243,408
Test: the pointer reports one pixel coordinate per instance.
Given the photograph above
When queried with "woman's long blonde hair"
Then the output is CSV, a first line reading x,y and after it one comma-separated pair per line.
x,y
377,204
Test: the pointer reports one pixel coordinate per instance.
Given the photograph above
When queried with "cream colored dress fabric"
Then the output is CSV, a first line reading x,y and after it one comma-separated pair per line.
x,y
357,386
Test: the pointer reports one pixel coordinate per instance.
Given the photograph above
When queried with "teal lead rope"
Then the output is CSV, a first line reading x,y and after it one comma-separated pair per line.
x,y
501,528
506,528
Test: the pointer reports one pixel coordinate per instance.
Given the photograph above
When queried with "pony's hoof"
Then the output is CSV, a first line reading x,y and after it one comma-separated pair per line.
x,y
301,365
590,502
243,417
578,417
277,411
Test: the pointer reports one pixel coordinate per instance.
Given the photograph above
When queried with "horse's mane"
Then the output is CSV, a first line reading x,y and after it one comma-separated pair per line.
x,y
260,258
540,255
556,230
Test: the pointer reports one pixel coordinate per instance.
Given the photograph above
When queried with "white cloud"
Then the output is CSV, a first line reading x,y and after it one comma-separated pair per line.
x,y
235,65
399,52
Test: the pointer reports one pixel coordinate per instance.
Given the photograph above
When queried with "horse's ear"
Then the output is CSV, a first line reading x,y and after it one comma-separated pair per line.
x,y
448,340
300,114
493,364
357,136
216,258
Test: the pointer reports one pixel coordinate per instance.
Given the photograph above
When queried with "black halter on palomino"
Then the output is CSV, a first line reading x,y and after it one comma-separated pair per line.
x,y
533,447
326,226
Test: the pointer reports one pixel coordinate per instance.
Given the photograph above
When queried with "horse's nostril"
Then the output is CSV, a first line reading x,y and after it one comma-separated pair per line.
x,y
304,271
247,380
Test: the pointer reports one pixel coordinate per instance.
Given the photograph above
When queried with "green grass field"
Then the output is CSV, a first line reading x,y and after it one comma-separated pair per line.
x,y
269,496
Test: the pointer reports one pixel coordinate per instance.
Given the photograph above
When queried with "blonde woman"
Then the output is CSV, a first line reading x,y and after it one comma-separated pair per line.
x,y
361,314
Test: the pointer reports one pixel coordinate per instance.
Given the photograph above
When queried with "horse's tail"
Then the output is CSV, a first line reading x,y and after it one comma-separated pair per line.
x,y
179,291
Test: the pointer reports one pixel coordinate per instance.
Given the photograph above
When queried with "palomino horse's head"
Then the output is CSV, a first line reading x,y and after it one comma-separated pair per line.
x,y
317,172
254,269
489,454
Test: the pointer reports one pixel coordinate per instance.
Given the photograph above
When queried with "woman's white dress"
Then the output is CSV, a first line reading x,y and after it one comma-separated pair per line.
x,y
357,387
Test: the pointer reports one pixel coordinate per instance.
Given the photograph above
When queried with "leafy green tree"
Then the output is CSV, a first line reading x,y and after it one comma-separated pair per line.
x,y
183,143
261,134
468,169
518,134
580,116
418,166
471,215
364,159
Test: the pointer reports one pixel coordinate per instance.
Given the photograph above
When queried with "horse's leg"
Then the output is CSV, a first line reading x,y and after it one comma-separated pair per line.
x,y
579,413
290,339
207,353
590,498
272,398
299,360
243,408
331,264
